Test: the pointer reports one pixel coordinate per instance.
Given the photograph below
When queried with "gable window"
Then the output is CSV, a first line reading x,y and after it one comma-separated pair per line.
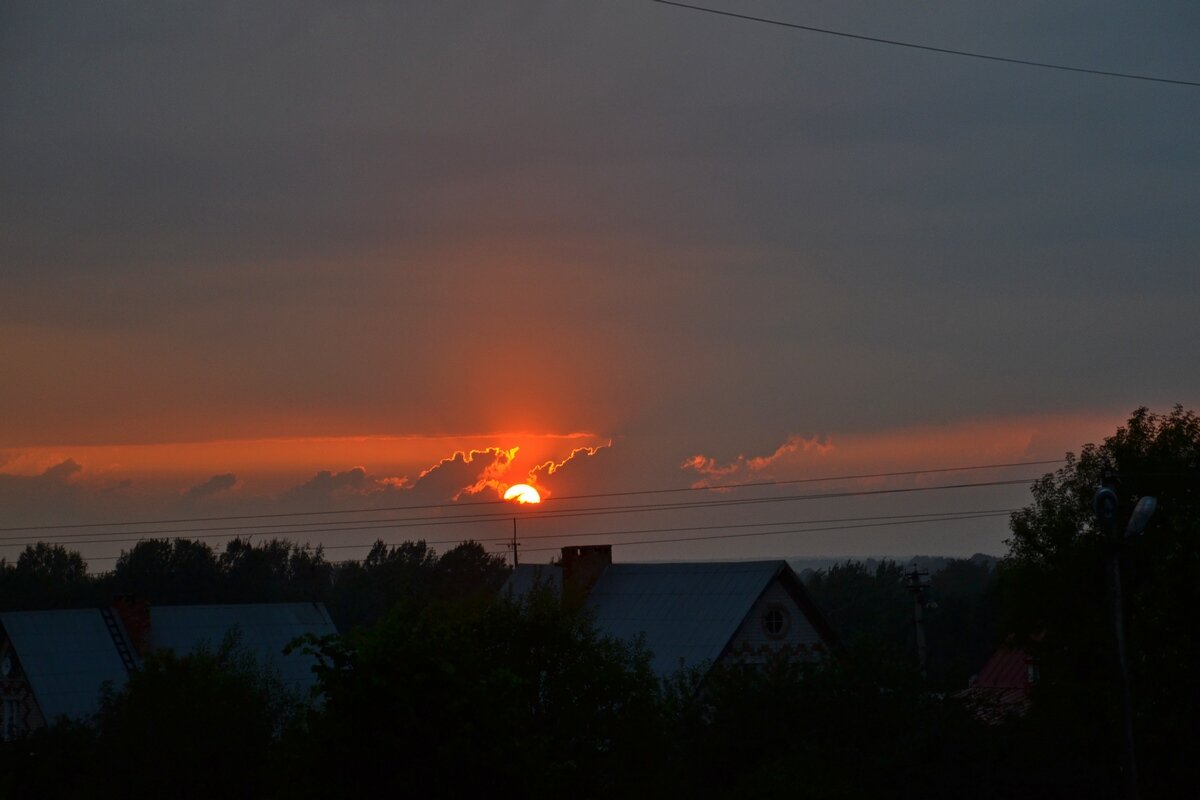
x,y
776,621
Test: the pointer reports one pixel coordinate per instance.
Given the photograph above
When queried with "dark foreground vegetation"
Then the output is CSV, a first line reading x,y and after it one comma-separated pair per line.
x,y
439,689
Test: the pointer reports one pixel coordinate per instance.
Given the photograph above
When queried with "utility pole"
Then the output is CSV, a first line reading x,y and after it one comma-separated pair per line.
x,y
917,583
514,544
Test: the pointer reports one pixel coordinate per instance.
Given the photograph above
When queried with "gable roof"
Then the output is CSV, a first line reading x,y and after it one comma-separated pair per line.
x,y
263,630
1004,685
525,577
67,655
688,613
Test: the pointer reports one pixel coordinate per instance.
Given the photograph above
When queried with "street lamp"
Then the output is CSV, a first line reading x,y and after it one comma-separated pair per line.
x,y
1106,504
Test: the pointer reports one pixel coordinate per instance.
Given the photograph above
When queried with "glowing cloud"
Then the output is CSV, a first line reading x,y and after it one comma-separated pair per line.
x,y
794,452
467,473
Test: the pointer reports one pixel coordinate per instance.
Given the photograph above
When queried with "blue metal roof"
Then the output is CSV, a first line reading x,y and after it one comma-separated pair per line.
x,y
264,630
67,656
687,613
525,576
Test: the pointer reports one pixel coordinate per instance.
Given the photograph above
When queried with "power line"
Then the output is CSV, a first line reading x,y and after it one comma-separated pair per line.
x,y
410,522
731,526
683,539
780,533
505,515
928,48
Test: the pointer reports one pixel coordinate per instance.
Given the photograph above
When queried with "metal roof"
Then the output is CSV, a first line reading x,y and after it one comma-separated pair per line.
x,y
525,576
67,656
1008,668
687,613
1003,687
263,629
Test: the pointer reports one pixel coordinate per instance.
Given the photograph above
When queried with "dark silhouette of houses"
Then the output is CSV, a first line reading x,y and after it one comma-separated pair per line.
x,y
55,664
688,614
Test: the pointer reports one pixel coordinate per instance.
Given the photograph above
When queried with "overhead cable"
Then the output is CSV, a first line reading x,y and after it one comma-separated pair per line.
x,y
928,48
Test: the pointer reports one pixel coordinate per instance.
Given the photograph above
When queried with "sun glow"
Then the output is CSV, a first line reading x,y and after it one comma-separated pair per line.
x,y
522,493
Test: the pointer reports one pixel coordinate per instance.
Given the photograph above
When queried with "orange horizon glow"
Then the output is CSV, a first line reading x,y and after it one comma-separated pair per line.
x,y
276,463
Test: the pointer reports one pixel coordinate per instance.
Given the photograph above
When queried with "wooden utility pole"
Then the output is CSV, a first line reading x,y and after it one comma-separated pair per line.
x,y
514,544
917,582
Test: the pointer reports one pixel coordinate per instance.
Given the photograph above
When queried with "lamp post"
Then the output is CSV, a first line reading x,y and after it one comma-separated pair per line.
x,y
1106,504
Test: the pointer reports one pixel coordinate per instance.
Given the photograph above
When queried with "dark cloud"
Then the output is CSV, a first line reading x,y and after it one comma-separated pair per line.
x,y
213,486
462,475
328,488
51,496
52,480
457,477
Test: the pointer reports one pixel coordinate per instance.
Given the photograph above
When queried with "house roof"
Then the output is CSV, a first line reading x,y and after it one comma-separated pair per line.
x,y
686,612
1008,668
263,630
1003,687
67,656
526,576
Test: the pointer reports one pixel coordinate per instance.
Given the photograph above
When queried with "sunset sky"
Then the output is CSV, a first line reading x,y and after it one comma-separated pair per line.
x,y
265,258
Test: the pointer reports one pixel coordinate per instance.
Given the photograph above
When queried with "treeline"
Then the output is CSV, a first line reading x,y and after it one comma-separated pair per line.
x,y
439,687
464,698
868,607
872,608
184,571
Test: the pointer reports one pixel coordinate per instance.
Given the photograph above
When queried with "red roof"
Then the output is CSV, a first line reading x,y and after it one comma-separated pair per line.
x,y
1003,686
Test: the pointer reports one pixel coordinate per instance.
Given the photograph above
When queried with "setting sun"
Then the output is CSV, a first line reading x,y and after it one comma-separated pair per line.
x,y
522,493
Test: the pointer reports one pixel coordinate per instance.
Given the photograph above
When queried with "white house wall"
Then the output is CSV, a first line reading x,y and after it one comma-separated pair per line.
x,y
751,642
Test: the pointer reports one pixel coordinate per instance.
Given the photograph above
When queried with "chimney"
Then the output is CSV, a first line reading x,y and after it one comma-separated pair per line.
x,y
134,612
582,567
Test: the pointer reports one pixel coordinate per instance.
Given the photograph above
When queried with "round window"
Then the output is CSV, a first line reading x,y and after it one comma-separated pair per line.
x,y
775,621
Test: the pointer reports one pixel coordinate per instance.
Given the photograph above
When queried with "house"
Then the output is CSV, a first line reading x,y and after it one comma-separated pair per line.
x,y
1003,688
688,614
55,664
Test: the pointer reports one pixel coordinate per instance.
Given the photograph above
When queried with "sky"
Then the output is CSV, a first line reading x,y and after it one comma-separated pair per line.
x,y
269,258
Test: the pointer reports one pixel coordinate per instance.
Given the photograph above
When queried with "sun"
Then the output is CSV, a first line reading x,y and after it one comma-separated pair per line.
x,y
522,493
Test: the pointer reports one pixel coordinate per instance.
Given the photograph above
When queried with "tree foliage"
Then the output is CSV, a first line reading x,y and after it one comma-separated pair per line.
x,y
872,610
1056,597
452,700
199,725
45,576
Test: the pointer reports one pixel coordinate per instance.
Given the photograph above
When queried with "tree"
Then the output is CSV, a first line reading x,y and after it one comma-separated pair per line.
x,y
200,725
962,628
469,572
166,571
458,699
274,570
868,608
1055,597
849,726
45,576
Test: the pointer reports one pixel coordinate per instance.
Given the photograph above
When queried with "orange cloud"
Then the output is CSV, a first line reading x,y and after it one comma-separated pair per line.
x,y
970,443
790,454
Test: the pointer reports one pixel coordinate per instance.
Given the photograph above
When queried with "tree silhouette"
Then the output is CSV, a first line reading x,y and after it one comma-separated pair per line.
x,y
1055,595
